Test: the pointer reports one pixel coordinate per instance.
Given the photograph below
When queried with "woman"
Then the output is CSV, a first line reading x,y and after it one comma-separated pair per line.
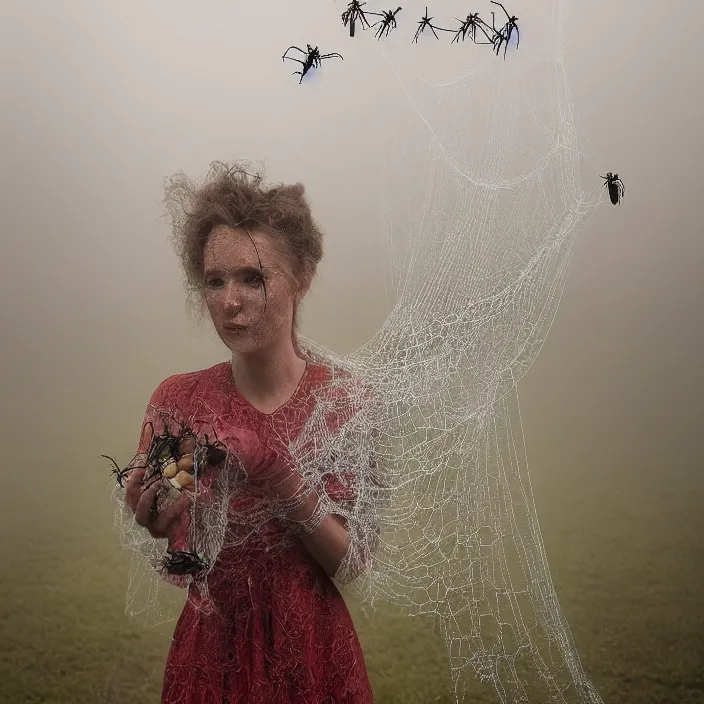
x,y
280,630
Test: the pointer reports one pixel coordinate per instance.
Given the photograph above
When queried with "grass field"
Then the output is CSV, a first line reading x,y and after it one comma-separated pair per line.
x,y
626,560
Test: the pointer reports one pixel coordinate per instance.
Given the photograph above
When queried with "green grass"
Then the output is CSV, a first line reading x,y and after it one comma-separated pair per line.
x,y
626,561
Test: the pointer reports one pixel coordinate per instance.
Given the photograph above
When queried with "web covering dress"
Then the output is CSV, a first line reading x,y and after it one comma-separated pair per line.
x,y
276,629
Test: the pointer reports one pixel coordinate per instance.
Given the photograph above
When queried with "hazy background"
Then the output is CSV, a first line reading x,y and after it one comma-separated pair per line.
x,y
102,100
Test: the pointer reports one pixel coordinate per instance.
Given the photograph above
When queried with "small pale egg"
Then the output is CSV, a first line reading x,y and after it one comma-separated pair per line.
x,y
185,464
171,470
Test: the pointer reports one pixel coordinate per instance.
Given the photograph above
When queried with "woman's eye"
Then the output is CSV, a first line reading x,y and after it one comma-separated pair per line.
x,y
254,279
213,283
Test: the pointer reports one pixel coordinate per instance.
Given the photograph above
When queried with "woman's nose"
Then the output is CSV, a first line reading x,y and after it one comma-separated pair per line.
x,y
233,300
232,307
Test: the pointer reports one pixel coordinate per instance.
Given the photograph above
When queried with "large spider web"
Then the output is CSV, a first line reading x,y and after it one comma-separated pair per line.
x,y
484,201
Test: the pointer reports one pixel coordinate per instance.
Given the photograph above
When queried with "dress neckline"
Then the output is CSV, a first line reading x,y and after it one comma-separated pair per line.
x,y
292,397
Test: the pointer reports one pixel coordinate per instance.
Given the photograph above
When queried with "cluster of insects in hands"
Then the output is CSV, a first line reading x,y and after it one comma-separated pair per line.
x,y
172,456
177,457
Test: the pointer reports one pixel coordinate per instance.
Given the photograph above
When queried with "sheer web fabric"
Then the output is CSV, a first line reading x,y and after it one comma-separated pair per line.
x,y
414,440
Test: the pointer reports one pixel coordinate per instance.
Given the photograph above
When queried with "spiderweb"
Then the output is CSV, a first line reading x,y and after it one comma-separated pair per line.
x,y
484,200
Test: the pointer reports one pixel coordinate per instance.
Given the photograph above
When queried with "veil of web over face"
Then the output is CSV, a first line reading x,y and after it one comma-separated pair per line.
x,y
249,288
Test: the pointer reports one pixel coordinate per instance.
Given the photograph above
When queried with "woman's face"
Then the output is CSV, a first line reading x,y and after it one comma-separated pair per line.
x,y
251,307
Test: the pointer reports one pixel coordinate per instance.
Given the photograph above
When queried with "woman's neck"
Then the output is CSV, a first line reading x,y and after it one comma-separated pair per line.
x,y
268,375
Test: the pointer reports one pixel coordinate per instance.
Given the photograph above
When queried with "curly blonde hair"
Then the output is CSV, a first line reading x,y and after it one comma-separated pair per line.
x,y
233,196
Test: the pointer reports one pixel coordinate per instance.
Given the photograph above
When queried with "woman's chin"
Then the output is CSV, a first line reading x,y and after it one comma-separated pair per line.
x,y
235,339
239,346
242,345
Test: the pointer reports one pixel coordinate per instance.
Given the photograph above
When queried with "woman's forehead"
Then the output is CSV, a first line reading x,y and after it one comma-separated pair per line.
x,y
232,248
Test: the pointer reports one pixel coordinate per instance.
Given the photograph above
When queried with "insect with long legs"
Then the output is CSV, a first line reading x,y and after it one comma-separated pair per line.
x,y
354,13
387,21
614,185
184,562
470,27
426,22
503,35
313,59
160,447
120,474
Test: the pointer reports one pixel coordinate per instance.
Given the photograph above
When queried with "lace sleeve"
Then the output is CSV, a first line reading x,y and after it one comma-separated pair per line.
x,y
360,519
352,487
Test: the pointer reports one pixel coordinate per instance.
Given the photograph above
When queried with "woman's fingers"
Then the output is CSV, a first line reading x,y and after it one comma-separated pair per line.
x,y
158,525
134,487
171,513
145,504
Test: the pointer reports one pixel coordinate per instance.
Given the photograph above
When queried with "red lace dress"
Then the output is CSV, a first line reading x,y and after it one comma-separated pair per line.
x,y
281,632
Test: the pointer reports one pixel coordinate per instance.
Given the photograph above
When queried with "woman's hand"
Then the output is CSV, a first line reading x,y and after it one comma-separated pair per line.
x,y
142,500
266,468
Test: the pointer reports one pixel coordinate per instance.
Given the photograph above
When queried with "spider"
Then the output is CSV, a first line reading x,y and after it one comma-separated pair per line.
x,y
184,562
120,474
469,27
615,187
215,453
425,22
161,446
313,59
353,13
388,21
503,35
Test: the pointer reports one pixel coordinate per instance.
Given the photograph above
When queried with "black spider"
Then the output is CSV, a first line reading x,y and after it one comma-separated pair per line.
x,y
615,187
160,448
215,452
120,474
353,13
503,35
470,27
184,562
313,59
387,23
425,22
